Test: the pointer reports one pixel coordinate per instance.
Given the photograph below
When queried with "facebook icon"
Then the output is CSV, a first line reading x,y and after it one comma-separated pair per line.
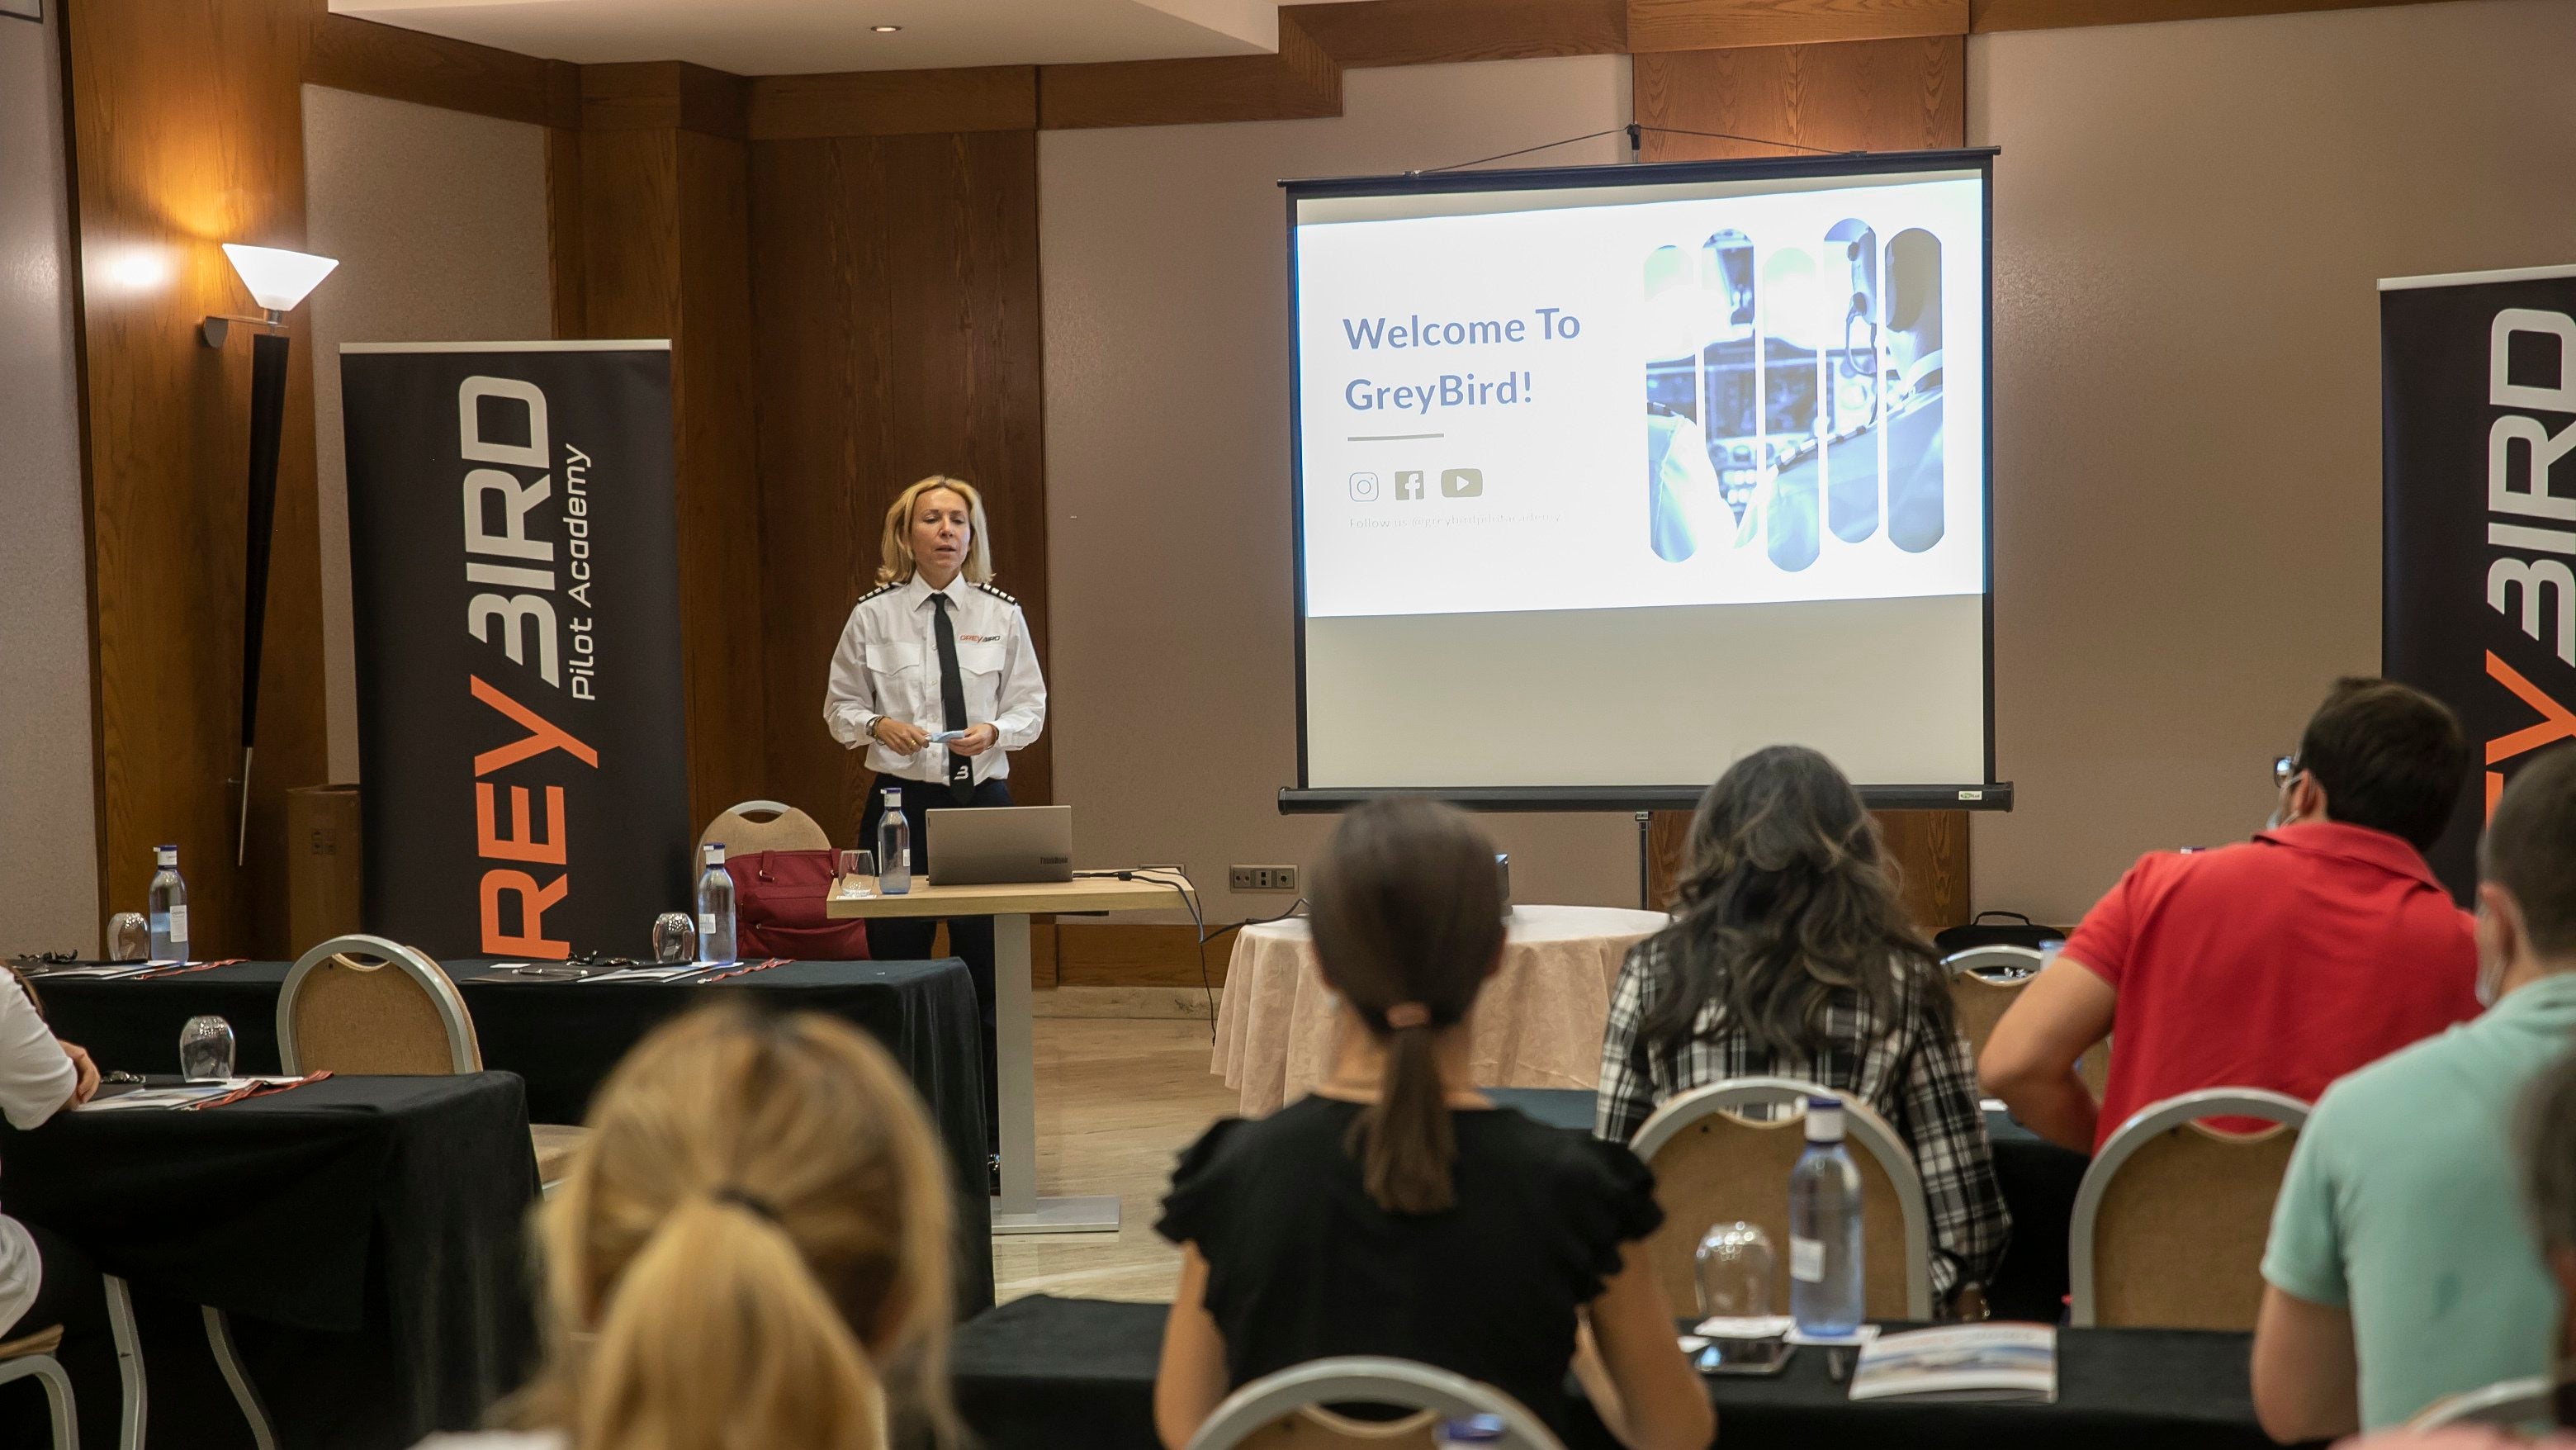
x,y
1408,483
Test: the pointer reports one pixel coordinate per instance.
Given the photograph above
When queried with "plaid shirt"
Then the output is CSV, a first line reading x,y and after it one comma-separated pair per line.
x,y
1916,1074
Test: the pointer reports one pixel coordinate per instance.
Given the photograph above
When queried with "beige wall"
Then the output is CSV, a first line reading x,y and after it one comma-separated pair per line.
x,y
2189,219
1164,267
48,792
439,221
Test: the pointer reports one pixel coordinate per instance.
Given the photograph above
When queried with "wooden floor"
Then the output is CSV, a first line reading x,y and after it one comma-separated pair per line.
x,y
1118,1098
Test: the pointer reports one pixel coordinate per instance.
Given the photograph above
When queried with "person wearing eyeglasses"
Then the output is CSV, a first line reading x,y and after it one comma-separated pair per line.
x,y
2283,962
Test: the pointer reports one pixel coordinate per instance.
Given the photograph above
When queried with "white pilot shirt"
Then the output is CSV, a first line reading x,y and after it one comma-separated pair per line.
x,y
888,664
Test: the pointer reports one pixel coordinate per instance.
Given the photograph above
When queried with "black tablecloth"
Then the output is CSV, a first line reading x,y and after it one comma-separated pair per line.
x,y
363,1232
2038,1179
563,1037
1076,1374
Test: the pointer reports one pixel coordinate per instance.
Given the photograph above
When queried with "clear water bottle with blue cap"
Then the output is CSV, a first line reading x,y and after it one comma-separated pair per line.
x,y
715,908
1473,1430
1824,1229
168,903
894,847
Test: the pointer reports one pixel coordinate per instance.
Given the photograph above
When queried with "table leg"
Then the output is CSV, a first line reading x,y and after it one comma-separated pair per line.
x,y
1019,1210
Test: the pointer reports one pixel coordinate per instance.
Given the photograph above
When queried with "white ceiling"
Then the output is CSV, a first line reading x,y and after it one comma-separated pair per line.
x,y
783,37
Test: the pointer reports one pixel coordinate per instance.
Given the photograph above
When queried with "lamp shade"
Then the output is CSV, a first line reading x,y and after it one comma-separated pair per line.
x,y
278,279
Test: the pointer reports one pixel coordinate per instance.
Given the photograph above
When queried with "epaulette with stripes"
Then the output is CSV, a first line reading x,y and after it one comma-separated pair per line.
x,y
880,589
998,594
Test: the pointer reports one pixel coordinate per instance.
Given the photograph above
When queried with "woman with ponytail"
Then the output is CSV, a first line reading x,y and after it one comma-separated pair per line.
x,y
1789,955
1397,1211
750,1253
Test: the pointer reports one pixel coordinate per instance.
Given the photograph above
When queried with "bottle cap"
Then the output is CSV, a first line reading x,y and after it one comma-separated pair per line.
x,y
166,855
715,850
1824,1120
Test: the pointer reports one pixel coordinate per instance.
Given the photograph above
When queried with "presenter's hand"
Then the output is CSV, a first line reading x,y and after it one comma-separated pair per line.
x,y
901,738
975,741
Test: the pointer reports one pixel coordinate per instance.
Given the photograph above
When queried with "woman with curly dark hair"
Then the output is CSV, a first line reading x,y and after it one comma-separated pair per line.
x,y
1790,956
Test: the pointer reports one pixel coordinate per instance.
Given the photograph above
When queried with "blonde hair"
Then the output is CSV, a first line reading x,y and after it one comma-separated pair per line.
x,y
759,1220
896,545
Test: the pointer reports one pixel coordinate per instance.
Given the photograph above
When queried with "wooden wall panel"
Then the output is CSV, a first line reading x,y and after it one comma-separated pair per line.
x,y
1928,851
894,103
1300,81
664,252
174,155
895,289
1363,33
1877,95
350,54
1708,24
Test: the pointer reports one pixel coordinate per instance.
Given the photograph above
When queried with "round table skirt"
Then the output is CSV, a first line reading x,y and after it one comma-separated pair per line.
x,y
1537,1024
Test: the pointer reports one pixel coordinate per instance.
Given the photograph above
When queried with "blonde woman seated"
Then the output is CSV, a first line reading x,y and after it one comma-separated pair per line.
x,y
1397,1211
753,1250
1790,956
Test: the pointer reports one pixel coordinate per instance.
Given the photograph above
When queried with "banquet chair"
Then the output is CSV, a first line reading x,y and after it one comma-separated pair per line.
x,y
765,826
1985,982
1286,1411
1715,1164
2506,1404
2171,1217
32,1355
362,1004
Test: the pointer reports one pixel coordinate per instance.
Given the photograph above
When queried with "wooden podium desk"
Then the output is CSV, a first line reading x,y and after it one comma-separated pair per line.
x,y
1020,1210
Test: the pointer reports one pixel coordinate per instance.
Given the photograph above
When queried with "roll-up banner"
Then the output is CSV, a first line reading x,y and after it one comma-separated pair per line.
x,y
513,557
2478,602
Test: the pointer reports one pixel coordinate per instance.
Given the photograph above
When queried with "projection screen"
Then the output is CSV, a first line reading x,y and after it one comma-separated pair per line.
x,y
1604,477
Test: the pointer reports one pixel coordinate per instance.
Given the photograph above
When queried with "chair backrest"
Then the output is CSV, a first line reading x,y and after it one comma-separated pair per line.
x,y
2171,1217
362,1004
1715,1164
1985,982
1285,1411
2510,1404
765,826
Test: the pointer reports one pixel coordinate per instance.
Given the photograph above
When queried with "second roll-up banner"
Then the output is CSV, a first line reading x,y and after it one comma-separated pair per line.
x,y
513,547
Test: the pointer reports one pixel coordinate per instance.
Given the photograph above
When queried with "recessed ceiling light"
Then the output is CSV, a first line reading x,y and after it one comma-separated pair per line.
x,y
885,29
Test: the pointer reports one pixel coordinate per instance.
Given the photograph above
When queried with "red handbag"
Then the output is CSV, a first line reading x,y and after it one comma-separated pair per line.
x,y
778,908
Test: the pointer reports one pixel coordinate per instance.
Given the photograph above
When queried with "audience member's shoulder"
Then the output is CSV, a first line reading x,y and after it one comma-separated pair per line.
x,y
1572,1161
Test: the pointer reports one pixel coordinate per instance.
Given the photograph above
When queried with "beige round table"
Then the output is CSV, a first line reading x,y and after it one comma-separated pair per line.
x,y
1538,1022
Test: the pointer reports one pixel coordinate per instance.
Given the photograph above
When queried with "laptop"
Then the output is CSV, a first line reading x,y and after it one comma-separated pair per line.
x,y
999,845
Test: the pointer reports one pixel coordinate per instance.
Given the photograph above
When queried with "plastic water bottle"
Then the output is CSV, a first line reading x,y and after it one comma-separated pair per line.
x,y
894,848
715,908
1824,1229
168,905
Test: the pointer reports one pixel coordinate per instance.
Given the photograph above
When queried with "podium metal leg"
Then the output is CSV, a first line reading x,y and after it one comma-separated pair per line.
x,y
1019,1210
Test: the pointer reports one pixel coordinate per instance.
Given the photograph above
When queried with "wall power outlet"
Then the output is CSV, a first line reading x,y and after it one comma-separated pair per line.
x,y
1261,878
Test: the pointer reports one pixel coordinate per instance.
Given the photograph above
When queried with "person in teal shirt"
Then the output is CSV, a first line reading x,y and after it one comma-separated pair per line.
x,y
2402,1266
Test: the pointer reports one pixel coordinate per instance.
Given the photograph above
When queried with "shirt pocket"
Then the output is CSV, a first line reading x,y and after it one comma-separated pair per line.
x,y
895,669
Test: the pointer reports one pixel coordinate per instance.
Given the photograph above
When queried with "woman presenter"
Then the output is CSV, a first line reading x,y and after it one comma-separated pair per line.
x,y
935,651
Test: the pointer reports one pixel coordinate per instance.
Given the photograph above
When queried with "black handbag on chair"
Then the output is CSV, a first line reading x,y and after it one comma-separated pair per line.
x,y
2011,929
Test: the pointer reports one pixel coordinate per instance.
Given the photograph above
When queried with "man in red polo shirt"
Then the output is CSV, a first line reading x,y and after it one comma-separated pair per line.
x,y
2319,946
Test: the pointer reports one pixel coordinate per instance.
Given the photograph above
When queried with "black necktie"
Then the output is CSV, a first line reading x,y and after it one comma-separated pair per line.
x,y
952,698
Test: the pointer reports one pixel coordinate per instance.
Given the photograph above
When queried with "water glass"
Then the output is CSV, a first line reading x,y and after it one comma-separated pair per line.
x,y
129,937
858,873
206,1049
675,938
1734,1269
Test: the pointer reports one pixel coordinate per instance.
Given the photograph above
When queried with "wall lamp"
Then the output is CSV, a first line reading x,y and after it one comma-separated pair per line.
x,y
279,281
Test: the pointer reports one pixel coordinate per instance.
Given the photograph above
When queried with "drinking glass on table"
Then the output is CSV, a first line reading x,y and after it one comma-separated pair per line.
x,y
675,938
129,937
858,873
206,1049
1734,1272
